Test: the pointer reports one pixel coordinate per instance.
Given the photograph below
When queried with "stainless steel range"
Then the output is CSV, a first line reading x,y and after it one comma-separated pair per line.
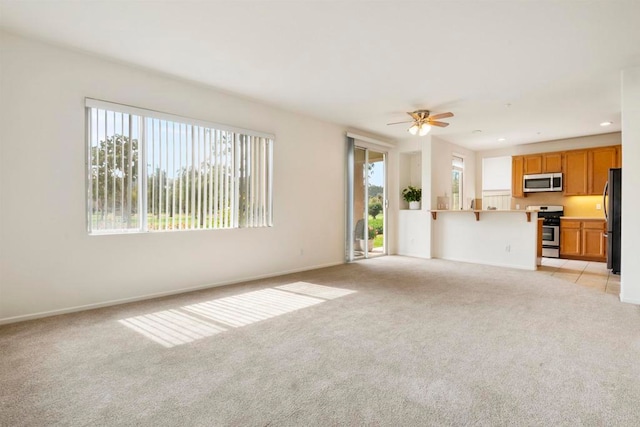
x,y
550,229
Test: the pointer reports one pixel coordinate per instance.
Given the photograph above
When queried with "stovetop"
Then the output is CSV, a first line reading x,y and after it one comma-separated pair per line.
x,y
550,214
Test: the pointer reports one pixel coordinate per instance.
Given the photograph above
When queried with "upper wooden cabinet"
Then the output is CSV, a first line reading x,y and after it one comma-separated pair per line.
x,y
517,176
532,164
619,155
585,172
542,163
600,161
575,167
552,163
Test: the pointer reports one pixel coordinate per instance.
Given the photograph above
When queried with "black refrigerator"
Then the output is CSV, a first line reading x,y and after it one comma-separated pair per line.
x,y
613,206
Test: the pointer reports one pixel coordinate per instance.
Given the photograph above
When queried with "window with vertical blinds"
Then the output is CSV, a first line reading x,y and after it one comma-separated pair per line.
x,y
150,171
457,181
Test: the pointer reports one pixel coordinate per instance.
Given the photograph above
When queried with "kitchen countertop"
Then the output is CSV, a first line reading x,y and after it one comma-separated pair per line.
x,y
483,210
584,218
476,212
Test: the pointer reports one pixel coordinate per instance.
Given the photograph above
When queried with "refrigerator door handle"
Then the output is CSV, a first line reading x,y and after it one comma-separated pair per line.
x,y
604,201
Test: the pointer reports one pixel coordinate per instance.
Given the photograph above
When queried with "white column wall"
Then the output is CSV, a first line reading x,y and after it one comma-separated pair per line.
x,y
630,267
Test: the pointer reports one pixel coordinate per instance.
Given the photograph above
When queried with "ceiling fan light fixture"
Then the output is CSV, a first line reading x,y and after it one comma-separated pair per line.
x,y
413,130
424,129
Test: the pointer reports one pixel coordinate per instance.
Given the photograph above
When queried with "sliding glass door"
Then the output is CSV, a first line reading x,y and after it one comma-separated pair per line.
x,y
367,203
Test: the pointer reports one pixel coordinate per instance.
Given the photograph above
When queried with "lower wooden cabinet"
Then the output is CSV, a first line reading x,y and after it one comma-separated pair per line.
x,y
583,239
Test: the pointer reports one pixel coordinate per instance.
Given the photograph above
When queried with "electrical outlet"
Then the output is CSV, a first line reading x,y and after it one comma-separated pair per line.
x,y
598,206
301,251
518,207
508,248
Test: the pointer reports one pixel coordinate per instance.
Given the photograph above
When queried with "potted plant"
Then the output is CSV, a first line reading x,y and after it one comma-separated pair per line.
x,y
370,236
412,195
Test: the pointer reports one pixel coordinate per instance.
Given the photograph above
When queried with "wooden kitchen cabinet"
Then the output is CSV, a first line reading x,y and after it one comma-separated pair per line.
x,y
600,161
552,163
583,239
533,164
570,238
576,169
543,163
517,176
585,172
618,156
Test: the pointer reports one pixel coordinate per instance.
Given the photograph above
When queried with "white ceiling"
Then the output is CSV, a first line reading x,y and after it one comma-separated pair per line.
x,y
363,64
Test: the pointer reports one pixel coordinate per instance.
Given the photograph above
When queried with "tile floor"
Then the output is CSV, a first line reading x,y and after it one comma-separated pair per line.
x,y
584,273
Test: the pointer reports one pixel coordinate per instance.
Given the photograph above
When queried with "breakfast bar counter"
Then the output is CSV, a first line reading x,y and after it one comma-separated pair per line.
x,y
434,212
507,238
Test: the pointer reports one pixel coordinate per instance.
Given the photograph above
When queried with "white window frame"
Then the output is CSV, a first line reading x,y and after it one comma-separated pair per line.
x,y
241,138
461,183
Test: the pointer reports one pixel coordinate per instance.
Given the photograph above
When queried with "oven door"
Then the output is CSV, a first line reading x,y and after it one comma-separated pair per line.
x,y
550,235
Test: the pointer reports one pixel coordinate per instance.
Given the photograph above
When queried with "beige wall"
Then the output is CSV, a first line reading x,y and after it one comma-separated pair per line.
x,y
50,264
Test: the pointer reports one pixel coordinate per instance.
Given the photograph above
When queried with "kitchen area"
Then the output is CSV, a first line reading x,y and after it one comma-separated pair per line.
x,y
542,206
578,195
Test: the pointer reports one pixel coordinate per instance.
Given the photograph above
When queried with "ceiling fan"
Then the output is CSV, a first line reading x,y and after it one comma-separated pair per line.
x,y
423,120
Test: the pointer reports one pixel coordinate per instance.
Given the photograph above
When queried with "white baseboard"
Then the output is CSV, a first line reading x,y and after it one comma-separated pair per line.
x,y
109,303
493,264
629,300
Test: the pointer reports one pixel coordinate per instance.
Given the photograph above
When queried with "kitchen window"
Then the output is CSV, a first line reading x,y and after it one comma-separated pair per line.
x,y
149,171
457,187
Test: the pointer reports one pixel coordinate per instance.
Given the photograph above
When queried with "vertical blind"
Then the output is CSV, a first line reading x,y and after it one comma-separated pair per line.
x,y
150,171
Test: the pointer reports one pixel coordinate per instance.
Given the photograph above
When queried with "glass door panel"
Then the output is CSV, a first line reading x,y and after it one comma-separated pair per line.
x,y
368,203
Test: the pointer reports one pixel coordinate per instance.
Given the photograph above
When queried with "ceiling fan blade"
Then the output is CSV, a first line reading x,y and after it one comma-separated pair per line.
x,y
440,116
414,114
397,123
439,124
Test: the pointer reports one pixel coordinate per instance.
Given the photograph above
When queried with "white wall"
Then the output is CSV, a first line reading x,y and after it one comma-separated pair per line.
x,y
414,233
50,264
501,238
442,154
414,227
630,268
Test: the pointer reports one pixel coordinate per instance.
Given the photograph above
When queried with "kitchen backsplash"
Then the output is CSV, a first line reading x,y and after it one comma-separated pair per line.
x,y
584,206
580,206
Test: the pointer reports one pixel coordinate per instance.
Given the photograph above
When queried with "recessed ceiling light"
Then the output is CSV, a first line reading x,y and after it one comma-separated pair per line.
x,y
606,123
476,131
502,139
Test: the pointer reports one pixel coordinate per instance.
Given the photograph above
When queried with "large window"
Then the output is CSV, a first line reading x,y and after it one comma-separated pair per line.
x,y
457,172
150,171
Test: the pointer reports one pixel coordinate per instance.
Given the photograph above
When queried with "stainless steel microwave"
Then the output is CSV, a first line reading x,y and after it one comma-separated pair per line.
x,y
542,182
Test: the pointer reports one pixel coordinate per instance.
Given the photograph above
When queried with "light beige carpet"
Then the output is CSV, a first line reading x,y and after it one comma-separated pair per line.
x,y
418,343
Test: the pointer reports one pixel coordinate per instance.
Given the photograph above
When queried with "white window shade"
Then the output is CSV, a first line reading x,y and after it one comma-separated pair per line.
x,y
152,171
496,173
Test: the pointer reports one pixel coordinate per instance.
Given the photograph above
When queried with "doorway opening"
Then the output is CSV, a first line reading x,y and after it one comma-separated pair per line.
x,y
368,203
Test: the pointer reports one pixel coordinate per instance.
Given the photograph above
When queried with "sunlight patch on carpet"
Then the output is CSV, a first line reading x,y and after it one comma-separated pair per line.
x,y
171,327
192,322
320,291
244,309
